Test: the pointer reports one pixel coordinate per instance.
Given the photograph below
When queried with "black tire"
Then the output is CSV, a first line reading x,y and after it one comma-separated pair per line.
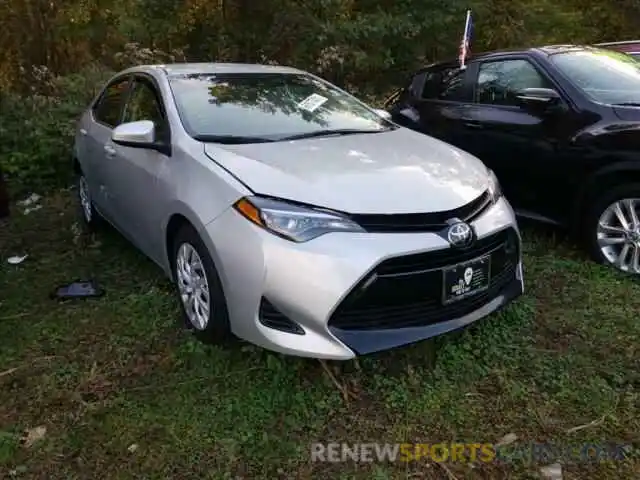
x,y
595,208
217,329
90,219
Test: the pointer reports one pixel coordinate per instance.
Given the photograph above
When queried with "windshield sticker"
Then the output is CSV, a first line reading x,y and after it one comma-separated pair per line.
x,y
312,102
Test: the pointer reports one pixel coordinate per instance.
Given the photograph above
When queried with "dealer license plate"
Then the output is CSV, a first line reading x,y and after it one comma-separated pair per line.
x,y
466,279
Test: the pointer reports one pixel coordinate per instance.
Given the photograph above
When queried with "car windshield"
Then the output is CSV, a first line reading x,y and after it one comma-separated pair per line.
x,y
247,108
605,76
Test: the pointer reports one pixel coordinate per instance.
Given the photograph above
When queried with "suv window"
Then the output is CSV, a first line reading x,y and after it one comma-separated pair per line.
x,y
605,76
499,81
108,109
144,104
444,84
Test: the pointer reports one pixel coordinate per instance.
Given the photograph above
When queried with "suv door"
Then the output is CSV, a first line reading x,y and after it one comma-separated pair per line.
x,y
522,145
137,171
98,150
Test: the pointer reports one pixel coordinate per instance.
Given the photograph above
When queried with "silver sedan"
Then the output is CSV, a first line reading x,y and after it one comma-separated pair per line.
x,y
290,214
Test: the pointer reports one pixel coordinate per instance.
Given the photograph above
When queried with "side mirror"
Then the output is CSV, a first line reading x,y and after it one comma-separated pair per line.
x,y
538,97
383,113
141,134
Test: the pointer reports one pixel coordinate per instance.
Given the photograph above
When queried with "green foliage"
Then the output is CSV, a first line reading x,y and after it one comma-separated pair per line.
x,y
36,129
366,46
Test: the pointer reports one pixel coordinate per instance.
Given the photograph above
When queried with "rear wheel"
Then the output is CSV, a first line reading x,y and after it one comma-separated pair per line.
x,y
89,216
612,227
202,300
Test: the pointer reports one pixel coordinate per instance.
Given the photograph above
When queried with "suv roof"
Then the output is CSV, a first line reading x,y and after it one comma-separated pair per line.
x,y
542,51
627,46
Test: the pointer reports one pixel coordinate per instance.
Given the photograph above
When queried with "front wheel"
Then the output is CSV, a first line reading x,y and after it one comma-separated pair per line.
x,y
199,288
613,228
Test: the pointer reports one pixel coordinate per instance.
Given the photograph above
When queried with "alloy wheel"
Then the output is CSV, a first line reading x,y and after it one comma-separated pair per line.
x,y
193,286
619,234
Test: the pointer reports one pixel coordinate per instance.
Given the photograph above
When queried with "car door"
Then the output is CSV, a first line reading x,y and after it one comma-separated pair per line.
x,y
134,172
97,147
522,145
442,102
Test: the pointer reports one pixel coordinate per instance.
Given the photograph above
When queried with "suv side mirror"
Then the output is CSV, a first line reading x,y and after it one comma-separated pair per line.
x,y
538,97
140,134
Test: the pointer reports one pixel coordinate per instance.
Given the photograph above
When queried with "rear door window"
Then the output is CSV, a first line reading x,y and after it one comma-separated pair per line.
x,y
446,83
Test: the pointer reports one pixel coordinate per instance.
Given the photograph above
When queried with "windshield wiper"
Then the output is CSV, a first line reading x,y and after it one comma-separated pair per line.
x,y
627,104
329,133
231,139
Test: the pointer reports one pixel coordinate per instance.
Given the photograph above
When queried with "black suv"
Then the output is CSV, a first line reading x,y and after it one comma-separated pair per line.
x,y
559,125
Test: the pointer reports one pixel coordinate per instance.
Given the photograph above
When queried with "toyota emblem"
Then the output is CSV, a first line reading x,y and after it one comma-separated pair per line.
x,y
460,235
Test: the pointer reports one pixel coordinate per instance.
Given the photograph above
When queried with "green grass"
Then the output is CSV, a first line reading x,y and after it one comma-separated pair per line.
x,y
107,374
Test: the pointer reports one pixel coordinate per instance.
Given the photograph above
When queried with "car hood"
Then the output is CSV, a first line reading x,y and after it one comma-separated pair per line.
x,y
397,171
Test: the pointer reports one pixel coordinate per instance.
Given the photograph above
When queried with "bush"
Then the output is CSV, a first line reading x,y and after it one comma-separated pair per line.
x,y
36,130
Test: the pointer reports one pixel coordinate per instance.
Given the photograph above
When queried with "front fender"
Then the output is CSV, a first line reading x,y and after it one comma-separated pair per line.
x,y
198,189
621,139
183,211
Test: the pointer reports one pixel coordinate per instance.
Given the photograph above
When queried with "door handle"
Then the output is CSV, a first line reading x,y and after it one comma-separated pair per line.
x,y
472,124
110,151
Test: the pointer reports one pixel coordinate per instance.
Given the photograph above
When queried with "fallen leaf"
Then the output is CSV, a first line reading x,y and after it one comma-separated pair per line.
x,y
133,447
552,472
508,439
20,469
16,260
32,435
35,208
33,198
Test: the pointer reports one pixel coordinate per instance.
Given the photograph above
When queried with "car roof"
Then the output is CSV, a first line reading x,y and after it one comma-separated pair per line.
x,y
543,51
180,69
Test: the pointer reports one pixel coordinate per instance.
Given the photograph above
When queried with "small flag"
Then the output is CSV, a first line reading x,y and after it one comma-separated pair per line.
x,y
465,45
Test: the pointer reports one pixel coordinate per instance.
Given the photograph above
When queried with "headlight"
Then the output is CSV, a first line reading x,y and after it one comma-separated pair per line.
x,y
494,186
293,222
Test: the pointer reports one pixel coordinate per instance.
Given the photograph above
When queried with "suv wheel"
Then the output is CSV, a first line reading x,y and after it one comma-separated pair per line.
x,y
613,228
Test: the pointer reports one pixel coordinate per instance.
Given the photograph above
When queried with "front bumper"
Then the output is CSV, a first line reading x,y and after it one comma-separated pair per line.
x,y
298,299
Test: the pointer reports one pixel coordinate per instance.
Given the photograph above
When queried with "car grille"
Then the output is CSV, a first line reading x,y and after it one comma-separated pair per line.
x,y
422,222
406,291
